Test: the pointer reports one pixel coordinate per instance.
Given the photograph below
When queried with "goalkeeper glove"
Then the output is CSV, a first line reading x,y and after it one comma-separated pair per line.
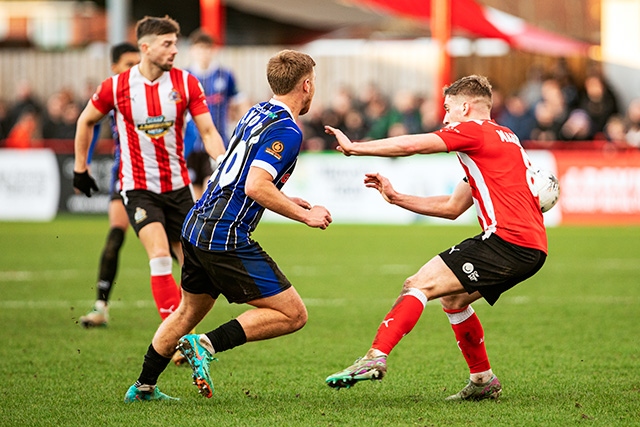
x,y
84,182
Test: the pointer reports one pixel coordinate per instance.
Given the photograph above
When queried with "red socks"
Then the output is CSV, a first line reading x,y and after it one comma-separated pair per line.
x,y
470,336
400,320
166,292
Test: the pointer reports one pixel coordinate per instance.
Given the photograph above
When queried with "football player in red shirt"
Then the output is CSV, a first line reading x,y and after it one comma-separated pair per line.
x,y
511,248
151,101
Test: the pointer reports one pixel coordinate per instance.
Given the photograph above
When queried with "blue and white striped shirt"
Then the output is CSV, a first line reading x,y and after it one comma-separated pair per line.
x,y
224,218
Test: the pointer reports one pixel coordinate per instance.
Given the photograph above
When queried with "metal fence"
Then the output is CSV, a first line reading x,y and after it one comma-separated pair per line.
x,y
391,65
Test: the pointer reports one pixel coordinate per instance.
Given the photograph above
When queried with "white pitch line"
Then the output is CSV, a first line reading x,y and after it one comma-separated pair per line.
x,y
29,276
323,302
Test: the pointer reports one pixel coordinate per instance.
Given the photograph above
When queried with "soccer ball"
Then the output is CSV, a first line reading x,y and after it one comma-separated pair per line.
x,y
547,186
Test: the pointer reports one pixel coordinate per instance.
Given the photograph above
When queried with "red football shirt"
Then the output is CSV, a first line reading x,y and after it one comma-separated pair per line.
x,y
150,117
499,173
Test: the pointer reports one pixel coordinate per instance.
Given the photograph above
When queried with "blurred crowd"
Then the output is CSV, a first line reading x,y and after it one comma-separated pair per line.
x,y
26,120
549,109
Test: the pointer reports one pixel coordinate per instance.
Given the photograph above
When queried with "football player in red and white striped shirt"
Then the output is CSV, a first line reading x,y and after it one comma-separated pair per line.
x,y
150,102
511,248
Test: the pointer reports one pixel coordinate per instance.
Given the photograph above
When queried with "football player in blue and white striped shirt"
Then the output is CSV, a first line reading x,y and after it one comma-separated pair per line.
x,y
220,256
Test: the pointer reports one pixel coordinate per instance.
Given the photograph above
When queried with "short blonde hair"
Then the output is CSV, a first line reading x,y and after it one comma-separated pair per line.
x,y
286,68
473,86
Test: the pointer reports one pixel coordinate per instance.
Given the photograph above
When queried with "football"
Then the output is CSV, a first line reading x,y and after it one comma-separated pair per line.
x,y
547,186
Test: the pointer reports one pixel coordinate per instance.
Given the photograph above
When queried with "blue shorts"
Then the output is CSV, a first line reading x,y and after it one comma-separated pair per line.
x,y
241,275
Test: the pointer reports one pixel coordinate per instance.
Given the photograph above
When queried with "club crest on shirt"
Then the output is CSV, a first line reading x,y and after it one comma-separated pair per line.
x,y
275,149
174,96
155,127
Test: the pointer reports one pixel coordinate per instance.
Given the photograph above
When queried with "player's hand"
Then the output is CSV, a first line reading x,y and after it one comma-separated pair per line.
x,y
300,202
318,217
84,182
344,144
382,184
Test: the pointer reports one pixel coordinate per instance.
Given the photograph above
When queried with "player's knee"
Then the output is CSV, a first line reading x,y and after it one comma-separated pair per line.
x,y
413,283
299,319
408,284
453,302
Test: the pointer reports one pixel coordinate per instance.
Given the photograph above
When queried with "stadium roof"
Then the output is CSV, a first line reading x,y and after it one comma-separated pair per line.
x,y
469,18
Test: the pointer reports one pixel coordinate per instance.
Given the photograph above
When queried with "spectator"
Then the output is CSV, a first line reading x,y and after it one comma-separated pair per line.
x,y
531,90
376,107
545,130
562,74
313,129
355,126
498,103
342,102
330,116
369,94
554,97
577,127
67,128
52,117
615,132
550,112
598,102
24,131
25,101
430,116
404,112
517,116
633,123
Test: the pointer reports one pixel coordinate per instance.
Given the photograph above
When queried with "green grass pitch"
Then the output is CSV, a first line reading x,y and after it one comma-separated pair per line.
x,y
565,344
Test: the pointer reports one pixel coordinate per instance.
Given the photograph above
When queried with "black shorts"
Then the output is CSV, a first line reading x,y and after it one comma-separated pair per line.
x,y
492,266
241,275
170,209
199,165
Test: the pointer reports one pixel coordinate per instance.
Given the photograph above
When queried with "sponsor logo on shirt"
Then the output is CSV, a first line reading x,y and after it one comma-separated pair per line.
x,y
275,149
155,127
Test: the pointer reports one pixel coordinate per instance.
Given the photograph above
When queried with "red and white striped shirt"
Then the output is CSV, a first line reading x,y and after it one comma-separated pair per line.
x,y
499,173
150,117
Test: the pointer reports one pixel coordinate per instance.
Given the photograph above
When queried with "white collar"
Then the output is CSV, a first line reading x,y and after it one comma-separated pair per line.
x,y
282,104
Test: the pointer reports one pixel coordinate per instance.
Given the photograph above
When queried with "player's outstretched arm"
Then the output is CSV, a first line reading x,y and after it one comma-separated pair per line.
x,y
259,186
448,207
397,146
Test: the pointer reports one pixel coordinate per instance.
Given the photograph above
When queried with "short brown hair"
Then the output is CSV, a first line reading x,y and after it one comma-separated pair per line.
x,y
151,25
286,68
472,86
201,37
